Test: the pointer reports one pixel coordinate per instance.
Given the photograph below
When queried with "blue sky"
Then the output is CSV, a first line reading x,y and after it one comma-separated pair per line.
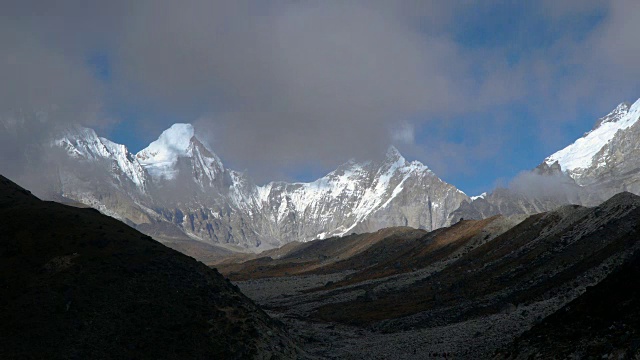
x,y
478,91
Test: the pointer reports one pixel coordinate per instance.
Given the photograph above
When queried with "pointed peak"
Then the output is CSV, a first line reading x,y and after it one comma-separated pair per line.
x,y
580,154
178,135
171,143
393,154
395,158
78,132
622,107
548,168
616,114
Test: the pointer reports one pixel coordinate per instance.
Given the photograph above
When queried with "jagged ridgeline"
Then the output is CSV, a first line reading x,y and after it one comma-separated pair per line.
x,y
178,190
177,187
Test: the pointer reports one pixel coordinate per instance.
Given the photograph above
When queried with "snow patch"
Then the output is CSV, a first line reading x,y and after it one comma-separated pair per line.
x,y
579,155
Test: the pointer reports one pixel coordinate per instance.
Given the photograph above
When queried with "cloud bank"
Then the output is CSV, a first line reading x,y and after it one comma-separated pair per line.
x,y
279,85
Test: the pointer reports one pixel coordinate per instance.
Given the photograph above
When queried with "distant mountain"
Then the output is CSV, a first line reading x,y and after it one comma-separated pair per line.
x,y
178,189
606,159
78,284
603,162
586,152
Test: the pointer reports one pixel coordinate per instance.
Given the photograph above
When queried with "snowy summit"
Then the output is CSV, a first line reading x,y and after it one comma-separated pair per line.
x,y
160,157
579,155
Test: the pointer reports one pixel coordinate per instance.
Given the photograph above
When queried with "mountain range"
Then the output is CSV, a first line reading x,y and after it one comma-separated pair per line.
x,y
178,190
551,285
603,162
452,279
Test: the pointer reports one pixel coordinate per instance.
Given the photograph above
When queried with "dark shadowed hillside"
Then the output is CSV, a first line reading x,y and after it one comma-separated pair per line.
x,y
79,285
603,323
462,291
531,262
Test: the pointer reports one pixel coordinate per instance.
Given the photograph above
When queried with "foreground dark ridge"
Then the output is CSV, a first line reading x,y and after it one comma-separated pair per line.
x,y
603,323
76,284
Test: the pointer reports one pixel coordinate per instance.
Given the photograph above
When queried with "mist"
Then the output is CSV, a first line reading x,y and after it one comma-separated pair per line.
x,y
42,91
555,186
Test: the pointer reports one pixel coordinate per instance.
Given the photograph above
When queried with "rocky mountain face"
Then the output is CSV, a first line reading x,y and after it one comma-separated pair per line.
x,y
602,148
82,285
615,166
603,162
504,201
178,189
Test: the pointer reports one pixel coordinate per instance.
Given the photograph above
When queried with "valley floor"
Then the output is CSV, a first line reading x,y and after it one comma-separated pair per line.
x,y
470,291
285,299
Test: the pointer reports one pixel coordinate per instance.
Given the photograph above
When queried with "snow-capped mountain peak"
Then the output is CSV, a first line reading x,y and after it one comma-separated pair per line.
x,y
212,203
172,143
81,143
365,195
84,144
178,141
614,116
393,154
580,154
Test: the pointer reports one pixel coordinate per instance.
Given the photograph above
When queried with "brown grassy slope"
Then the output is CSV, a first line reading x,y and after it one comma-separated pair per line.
x,y
520,266
401,254
239,258
312,257
78,284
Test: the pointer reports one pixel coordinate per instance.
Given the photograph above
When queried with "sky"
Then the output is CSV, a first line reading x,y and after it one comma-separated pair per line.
x,y
288,90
